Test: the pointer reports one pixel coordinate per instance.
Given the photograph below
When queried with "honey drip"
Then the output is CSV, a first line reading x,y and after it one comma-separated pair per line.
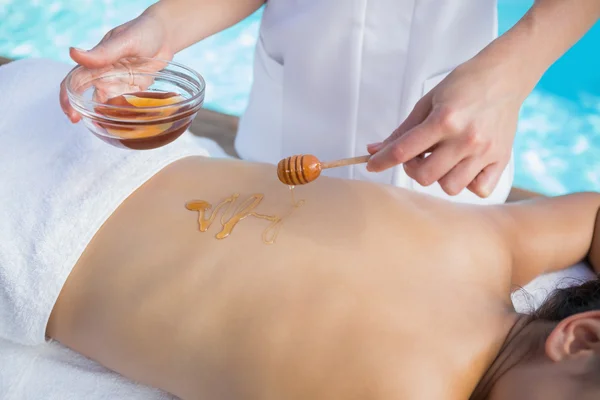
x,y
232,215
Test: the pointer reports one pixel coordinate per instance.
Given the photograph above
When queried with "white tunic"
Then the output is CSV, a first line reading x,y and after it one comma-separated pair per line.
x,y
331,76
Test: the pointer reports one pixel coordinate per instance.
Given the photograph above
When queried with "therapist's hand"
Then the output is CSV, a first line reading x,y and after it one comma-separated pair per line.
x,y
145,36
467,123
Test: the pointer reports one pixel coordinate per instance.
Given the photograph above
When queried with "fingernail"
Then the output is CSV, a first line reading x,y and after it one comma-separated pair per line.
x,y
369,165
375,147
79,50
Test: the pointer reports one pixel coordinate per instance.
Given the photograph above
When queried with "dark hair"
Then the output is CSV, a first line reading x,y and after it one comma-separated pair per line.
x,y
566,302
561,304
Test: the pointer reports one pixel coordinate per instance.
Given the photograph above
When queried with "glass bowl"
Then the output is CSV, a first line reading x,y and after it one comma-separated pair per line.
x,y
138,103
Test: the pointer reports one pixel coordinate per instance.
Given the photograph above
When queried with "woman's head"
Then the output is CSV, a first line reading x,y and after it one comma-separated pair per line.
x,y
556,352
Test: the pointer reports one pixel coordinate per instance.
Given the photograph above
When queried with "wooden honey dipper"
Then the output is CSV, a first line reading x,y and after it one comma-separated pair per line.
x,y
300,170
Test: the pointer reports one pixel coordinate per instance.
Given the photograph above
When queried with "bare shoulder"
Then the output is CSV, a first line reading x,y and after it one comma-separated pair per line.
x,y
471,241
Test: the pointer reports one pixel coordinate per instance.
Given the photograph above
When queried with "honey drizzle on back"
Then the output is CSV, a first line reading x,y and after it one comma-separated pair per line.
x,y
231,215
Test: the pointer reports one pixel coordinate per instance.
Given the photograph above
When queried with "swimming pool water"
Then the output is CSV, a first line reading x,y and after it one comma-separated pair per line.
x,y
557,147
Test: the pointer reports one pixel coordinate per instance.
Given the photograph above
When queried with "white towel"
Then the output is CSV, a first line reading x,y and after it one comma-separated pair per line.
x,y
52,372
58,184
531,297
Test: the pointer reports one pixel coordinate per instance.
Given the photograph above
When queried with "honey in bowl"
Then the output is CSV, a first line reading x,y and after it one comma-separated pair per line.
x,y
142,129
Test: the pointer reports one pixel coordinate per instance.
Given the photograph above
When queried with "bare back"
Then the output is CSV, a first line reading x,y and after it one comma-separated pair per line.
x,y
361,280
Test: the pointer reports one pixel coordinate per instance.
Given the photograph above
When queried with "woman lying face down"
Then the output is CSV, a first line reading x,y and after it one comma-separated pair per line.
x,y
203,278
210,282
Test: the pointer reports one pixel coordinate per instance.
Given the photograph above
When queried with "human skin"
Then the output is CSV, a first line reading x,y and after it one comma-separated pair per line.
x,y
163,30
369,291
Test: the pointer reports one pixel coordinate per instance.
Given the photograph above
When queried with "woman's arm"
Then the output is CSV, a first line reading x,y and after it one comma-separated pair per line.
x,y
543,35
190,21
470,118
548,234
517,194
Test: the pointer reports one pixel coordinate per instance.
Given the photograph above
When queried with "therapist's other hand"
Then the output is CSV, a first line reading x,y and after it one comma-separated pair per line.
x,y
145,36
461,133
